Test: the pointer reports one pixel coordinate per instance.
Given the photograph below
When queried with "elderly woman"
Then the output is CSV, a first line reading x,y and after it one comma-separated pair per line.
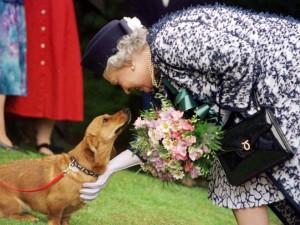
x,y
207,49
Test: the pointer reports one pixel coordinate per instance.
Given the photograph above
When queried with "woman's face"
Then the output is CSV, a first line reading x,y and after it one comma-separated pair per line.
x,y
134,75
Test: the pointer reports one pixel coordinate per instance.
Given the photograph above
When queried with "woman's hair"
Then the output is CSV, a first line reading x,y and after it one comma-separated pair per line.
x,y
127,45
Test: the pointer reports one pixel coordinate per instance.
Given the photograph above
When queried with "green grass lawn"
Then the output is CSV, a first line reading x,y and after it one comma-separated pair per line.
x,y
132,198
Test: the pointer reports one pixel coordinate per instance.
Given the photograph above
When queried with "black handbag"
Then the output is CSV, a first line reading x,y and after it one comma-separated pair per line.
x,y
253,146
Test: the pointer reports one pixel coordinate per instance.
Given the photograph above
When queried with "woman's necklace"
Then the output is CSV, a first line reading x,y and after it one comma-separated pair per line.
x,y
151,71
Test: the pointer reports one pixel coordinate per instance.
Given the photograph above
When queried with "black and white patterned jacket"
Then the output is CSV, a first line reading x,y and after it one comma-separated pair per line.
x,y
220,52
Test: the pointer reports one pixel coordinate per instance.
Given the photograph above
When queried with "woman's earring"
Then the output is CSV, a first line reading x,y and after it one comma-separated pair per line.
x,y
132,67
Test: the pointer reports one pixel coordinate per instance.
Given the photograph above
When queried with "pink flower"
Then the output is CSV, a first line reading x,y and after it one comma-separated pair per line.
x,y
179,152
176,135
194,156
165,115
151,123
171,114
176,115
190,140
196,172
158,163
138,123
204,148
186,125
195,153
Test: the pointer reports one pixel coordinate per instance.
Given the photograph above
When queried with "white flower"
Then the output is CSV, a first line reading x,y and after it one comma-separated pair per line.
x,y
153,137
133,23
178,175
167,143
165,127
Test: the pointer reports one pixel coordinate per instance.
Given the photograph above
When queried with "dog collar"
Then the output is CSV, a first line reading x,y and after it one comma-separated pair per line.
x,y
74,164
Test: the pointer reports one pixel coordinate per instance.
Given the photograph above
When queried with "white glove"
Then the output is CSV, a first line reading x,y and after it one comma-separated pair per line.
x,y
122,161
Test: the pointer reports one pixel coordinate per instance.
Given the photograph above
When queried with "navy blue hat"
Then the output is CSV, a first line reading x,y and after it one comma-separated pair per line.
x,y
103,45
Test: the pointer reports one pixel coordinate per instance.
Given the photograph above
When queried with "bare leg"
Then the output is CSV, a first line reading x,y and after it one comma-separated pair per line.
x,y
3,136
250,216
44,131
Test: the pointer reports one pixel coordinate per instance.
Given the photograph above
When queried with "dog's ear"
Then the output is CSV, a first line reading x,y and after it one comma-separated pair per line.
x,y
97,152
92,142
92,149
92,146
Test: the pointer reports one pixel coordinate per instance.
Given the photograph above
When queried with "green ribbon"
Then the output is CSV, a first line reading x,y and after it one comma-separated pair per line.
x,y
202,111
184,101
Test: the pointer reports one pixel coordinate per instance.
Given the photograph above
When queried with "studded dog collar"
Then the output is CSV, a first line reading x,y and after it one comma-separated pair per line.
x,y
75,164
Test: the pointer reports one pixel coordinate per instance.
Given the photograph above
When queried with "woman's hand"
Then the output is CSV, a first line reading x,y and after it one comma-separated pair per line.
x,y
122,161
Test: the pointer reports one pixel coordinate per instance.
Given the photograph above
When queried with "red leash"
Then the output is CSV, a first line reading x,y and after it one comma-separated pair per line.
x,y
73,165
41,188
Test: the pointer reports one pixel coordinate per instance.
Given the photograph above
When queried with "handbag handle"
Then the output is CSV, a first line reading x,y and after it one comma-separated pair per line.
x,y
230,122
256,103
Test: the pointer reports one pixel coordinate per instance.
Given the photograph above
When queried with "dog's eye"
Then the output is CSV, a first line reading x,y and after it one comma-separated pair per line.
x,y
105,120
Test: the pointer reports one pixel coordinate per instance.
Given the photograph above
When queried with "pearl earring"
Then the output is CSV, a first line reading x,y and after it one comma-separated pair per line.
x,y
132,67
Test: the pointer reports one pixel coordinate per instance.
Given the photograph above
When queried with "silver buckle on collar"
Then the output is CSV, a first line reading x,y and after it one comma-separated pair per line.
x,y
71,167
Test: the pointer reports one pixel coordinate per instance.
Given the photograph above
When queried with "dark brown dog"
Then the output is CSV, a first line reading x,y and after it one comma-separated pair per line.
x,y
61,199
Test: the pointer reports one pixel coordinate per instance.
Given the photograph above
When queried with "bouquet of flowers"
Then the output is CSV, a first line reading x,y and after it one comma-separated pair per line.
x,y
174,147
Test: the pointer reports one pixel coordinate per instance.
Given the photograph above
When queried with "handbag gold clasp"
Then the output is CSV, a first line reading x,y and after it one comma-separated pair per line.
x,y
246,145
